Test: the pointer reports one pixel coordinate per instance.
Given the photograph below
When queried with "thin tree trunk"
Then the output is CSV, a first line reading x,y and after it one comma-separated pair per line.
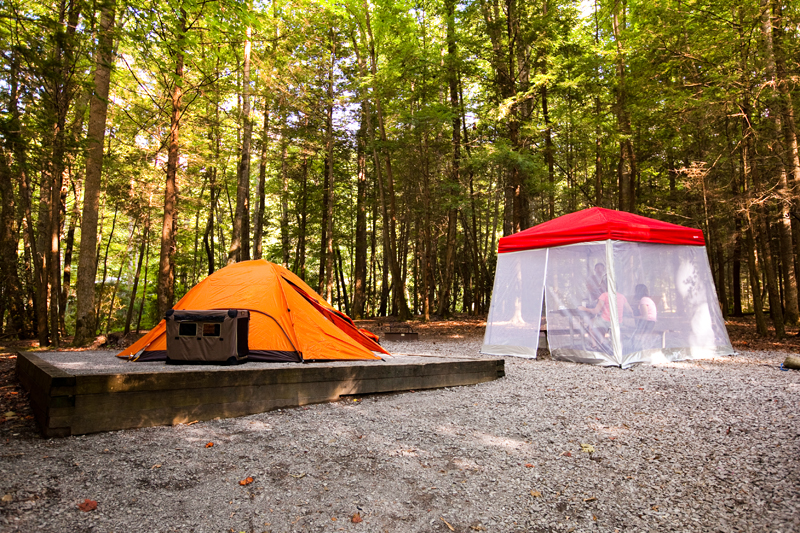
x,y
284,204
146,264
343,298
208,237
548,155
16,146
783,113
598,142
43,257
627,160
389,208
258,235
360,270
454,176
96,319
59,97
9,260
67,275
165,290
135,288
758,227
110,315
240,240
301,234
737,269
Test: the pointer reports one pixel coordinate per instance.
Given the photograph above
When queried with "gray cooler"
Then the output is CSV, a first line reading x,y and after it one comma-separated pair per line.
x,y
218,336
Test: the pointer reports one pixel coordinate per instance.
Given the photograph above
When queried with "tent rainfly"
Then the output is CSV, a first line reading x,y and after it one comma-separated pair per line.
x,y
288,320
617,289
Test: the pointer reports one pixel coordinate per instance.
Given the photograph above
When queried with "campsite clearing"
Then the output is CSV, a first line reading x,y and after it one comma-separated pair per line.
x,y
688,446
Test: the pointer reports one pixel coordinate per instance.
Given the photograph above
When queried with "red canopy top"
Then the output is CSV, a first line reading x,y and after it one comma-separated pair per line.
x,y
598,224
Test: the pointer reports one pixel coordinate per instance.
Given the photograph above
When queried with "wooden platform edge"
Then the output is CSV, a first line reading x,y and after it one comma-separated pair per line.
x,y
65,404
51,392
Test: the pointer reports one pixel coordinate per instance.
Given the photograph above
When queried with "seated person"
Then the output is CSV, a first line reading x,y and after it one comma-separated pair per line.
x,y
602,313
646,315
597,284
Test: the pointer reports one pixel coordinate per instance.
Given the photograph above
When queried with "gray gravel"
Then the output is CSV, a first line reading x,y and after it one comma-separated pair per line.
x,y
695,446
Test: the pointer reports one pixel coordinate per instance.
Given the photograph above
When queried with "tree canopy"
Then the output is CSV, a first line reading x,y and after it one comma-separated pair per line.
x,y
379,148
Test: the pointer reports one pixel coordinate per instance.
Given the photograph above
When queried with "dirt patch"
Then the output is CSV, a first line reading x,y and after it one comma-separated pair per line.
x,y
742,331
16,417
458,327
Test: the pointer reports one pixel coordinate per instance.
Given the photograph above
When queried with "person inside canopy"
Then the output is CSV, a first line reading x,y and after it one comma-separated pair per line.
x,y
602,317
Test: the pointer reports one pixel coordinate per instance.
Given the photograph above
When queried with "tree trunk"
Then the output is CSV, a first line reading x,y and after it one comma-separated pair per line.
x,y
301,233
258,235
43,259
135,288
9,260
737,269
67,275
14,140
110,315
165,290
146,264
213,192
626,169
783,113
284,204
96,318
505,37
240,240
343,299
548,155
454,177
60,95
757,226
389,207
360,270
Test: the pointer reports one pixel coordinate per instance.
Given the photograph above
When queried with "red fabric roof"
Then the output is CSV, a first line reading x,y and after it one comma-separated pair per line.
x,y
598,224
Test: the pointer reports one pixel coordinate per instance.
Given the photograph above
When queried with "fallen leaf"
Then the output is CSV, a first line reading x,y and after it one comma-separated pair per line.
x,y
451,528
536,494
333,518
7,498
246,481
567,454
528,465
589,499
356,519
155,466
477,528
87,505
587,448
209,445
655,508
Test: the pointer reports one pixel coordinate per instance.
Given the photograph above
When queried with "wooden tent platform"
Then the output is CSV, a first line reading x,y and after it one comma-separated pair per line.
x,y
74,393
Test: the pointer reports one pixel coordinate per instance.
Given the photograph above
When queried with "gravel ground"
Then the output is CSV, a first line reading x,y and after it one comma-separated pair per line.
x,y
553,446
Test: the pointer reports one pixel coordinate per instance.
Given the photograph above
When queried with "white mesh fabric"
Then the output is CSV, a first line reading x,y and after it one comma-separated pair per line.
x,y
512,327
577,275
689,322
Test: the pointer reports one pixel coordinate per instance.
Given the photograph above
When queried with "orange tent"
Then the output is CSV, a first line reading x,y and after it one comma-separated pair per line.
x,y
288,320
